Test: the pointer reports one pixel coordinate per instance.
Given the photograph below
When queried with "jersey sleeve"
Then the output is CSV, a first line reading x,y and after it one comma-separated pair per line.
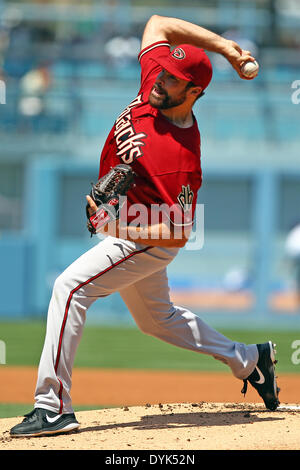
x,y
149,68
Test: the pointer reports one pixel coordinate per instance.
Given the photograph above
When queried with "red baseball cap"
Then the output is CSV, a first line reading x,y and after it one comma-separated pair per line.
x,y
188,63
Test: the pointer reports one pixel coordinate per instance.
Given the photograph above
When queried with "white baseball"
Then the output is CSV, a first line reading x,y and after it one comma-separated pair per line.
x,y
250,68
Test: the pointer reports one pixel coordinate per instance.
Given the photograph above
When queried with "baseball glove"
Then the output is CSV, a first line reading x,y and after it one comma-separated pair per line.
x,y
105,193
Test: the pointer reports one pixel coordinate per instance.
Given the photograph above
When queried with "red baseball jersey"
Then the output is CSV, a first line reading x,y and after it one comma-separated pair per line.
x,y
165,157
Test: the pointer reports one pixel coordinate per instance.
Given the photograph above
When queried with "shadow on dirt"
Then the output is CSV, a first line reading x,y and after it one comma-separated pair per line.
x,y
169,420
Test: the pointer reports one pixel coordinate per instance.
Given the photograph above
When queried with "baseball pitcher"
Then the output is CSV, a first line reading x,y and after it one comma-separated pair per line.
x,y
143,204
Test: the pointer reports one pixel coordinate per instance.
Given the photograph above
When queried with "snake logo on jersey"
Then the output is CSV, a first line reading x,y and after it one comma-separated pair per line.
x,y
128,142
185,198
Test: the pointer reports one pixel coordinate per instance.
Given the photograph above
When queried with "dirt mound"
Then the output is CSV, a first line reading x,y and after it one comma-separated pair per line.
x,y
180,426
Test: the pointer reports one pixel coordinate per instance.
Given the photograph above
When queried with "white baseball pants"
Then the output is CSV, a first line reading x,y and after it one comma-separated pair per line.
x,y
138,272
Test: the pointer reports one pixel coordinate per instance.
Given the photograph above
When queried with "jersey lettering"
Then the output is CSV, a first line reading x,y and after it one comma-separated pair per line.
x,y
128,142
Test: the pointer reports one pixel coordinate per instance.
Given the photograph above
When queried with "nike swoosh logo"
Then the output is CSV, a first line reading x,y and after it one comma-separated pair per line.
x,y
261,379
52,420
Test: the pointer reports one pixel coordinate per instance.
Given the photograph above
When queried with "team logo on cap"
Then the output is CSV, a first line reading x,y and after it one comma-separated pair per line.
x,y
178,53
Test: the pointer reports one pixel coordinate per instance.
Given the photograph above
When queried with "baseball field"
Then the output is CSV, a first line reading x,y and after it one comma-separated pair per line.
x,y
131,391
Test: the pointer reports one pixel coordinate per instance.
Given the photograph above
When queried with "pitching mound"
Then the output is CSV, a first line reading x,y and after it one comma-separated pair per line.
x,y
180,426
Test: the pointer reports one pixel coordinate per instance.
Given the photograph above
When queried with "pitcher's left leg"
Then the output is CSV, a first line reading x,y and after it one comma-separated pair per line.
x,y
149,303
97,273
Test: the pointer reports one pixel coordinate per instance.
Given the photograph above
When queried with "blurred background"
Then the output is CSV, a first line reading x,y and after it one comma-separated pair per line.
x,y
67,70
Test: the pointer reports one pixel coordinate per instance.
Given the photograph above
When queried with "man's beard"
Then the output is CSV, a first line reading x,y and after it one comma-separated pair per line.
x,y
165,101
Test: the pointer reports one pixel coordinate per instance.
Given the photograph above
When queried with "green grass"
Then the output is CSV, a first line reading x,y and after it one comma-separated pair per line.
x,y
11,410
111,347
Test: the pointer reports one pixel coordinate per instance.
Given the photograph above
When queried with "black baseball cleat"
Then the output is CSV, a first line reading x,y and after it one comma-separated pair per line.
x,y
41,422
263,377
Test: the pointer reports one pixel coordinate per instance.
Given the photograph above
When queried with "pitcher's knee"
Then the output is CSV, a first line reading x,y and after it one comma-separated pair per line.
x,y
145,328
150,328
156,327
62,283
